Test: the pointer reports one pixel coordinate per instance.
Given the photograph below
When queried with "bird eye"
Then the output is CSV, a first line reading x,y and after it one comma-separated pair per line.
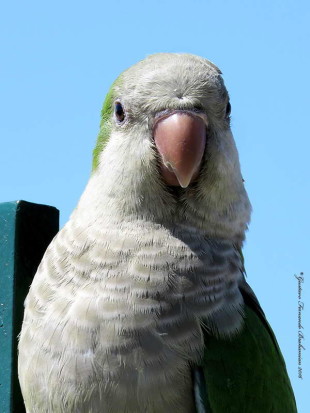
x,y
228,109
119,112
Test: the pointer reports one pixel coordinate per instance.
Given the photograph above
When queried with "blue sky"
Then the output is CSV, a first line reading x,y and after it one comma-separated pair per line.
x,y
58,60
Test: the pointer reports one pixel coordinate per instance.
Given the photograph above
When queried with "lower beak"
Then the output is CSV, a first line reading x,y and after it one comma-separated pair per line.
x,y
180,139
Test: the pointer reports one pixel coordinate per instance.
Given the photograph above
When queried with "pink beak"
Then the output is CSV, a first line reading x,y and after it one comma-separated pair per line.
x,y
180,139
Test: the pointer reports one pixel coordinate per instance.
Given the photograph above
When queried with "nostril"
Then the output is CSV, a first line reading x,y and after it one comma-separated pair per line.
x,y
198,108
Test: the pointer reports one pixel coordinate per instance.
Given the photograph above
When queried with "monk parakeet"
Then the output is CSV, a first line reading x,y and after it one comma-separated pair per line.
x,y
140,303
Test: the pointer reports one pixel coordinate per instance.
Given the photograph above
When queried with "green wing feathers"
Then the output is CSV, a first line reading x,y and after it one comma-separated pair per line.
x,y
246,373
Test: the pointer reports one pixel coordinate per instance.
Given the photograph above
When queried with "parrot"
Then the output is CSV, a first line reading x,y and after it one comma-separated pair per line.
x,y
140,303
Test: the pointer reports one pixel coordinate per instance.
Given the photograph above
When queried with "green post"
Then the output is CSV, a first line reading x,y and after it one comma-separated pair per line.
x,y
26,230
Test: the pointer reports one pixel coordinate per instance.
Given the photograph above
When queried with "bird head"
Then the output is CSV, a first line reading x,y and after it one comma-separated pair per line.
x,y
165,150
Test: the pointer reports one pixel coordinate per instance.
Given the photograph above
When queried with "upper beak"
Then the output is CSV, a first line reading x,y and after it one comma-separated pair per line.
x,y
180,138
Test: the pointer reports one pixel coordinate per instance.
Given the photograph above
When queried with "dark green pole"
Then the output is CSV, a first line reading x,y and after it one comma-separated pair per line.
x,y
26,230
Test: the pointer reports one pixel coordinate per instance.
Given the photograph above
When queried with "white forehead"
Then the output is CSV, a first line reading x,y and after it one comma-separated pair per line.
x,y
156,68
171,75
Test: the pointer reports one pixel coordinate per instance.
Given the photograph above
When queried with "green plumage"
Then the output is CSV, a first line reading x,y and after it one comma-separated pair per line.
x,y
105,124
246,373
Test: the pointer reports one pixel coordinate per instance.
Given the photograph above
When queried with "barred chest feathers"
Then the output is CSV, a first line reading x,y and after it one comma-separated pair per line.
x,y
131,300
